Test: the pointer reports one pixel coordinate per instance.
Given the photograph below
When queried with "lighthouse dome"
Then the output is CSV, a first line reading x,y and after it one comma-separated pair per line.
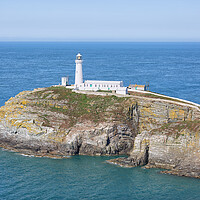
x,y
78,56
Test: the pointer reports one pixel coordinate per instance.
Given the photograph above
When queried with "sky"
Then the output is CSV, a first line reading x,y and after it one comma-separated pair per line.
x,y
100,20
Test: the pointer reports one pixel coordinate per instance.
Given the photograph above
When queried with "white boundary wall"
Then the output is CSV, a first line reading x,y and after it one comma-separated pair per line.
x,y
161,95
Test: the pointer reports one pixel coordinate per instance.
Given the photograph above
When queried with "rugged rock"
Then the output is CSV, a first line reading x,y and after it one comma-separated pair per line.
x,y
57,121
154,131
174,146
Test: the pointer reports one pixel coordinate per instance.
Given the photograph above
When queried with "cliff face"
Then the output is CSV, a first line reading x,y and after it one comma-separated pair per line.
x,y
153,131
168,138
56,121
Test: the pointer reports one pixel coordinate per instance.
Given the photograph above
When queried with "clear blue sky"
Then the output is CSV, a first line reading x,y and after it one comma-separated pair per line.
x,y
100,20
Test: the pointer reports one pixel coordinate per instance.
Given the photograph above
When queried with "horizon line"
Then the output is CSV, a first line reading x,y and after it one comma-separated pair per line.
x,y
98,41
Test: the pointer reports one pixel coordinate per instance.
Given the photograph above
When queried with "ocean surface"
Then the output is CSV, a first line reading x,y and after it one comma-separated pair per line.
x,y
170,68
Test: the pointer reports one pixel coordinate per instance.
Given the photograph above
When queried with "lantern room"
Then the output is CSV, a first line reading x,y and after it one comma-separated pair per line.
x,y
78,56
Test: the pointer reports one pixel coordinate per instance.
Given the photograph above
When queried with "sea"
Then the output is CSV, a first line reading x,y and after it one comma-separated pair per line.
x,y
172,69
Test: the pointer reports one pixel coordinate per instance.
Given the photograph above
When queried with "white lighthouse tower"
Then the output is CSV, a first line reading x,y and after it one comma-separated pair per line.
x,y
79,72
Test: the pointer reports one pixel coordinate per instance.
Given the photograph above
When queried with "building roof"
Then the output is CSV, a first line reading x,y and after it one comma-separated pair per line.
x,y
135,85
103,82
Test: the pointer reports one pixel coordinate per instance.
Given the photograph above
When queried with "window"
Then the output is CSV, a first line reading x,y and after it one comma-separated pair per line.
x,y
95,85
90,85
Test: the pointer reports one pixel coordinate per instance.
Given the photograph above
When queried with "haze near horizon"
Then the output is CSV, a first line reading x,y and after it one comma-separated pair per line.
x,y
113,20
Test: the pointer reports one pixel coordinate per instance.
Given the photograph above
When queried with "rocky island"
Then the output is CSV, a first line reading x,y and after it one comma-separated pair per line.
x,y
154,131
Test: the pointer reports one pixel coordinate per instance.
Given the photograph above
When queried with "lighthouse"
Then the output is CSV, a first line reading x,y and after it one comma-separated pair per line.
x,y
94,85
79,72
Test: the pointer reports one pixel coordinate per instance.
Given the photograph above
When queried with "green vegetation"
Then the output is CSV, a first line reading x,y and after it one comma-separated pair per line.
x,y
108,91
156,96
178,127
57,105
78,107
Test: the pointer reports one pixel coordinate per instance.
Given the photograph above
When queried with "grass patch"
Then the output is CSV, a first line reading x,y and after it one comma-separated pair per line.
x,y
79,107
108,91
155,96
178,127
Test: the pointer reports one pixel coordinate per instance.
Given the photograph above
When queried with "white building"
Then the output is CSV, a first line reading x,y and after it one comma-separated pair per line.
x,y
94,85
101,85
65,81
133,87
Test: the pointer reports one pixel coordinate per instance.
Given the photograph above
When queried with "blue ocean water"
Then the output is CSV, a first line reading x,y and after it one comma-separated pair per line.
x,y
170,68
